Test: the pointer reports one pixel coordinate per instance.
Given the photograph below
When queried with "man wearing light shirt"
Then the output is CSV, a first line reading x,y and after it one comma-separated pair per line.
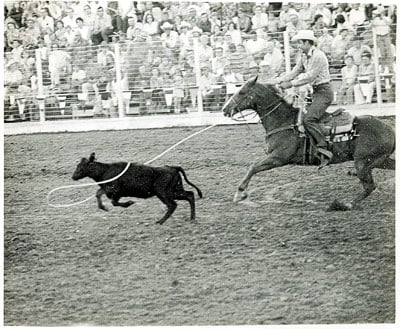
x,y
102,27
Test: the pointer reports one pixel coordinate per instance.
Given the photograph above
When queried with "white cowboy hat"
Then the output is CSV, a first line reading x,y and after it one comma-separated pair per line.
x,y
184,24
166,25
304,35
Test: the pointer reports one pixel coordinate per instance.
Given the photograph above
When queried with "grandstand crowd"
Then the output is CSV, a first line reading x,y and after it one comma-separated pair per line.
x,y
235,41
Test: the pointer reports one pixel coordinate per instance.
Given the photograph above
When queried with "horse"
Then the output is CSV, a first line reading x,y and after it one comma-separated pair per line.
x,y
371,145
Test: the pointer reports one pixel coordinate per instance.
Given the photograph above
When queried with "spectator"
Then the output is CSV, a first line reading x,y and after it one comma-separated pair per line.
x,y
58,63
105,57
284,15
237,60
70,18
215,22
16,13
204,23
340,45
381,23
55,10
259,19
357,17
59,32
219,62
45,21
165,18
184,33
365,86
114,12
179,86
170,39
83,30
134,28
88,17
17,49
349,75
255,45
157,84
273,58
141,81
11,34
28,64
341,23
205,52
325,43
78,79
295,24
251,71
318,25
32,31
207,84
69,36
102,28
324,11
306,13
357,49
235,34
150,26
244,21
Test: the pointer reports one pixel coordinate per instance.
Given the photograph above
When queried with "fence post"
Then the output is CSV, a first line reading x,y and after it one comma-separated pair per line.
x,y
118,78
376,65
198,73
40,95
286,48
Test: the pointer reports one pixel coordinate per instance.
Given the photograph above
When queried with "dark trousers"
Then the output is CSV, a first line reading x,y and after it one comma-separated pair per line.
x,y
322,98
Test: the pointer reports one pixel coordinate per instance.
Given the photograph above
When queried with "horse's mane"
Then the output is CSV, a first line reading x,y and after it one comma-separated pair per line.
x,y
275,91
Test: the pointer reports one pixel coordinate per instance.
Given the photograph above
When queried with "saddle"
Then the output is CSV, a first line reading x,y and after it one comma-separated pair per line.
x,y
337,126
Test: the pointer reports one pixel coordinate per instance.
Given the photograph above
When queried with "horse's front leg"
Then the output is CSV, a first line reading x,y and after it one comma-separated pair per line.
x,y
271,161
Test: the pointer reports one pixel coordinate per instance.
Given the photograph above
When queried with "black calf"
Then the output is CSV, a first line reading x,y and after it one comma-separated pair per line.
x,y
139,181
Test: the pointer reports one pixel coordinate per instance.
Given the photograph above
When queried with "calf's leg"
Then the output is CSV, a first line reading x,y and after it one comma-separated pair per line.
x,y
188,196
115,202
100,204
171,205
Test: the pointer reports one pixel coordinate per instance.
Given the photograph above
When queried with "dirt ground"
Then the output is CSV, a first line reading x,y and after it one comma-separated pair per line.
x,y
279,258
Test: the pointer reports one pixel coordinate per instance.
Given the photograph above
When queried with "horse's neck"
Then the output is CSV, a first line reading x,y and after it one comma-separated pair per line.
x,y
97,171
280,116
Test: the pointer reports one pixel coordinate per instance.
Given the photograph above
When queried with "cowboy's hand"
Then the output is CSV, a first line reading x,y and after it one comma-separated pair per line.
x,y
285,85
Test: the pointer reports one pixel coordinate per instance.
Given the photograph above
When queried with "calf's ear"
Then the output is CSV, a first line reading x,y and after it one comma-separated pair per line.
x,y
92,157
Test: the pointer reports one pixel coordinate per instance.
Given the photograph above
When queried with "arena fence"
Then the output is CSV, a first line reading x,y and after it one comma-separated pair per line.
x,y
149,77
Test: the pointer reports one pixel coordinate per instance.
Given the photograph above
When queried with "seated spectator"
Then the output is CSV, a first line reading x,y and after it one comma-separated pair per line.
x,y
295,24
205,52
17,50
59,32
235,34
83,30
150,26
325,12
255,45
59,61
69,36
204,23
157,84
365,86
184,33
102,28
215,22
259,19
340,45
208,87
170,38
284,15
349,75
16,13
306,13
318,25
88,17
244,21
134,28
32,31
219,62
325,43
265,72
232,78
70,18
357,17
341,23
12,33
357,49
45,21
273,58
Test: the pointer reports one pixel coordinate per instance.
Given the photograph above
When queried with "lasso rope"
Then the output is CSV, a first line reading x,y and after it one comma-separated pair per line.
x,y
116,177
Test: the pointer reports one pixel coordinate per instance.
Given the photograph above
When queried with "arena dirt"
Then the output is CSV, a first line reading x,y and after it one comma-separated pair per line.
x,y
278,258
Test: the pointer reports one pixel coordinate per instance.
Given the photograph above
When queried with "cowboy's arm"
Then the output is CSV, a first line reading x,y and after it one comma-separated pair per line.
x,y
315,67
293,73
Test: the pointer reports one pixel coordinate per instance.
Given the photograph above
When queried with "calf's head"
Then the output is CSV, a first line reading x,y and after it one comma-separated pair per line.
x,y
82,170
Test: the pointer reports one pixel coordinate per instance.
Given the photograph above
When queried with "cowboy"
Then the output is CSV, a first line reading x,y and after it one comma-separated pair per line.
x,y
314,69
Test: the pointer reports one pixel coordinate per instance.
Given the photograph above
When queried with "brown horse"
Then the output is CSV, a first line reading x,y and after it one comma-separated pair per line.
x,y
371,147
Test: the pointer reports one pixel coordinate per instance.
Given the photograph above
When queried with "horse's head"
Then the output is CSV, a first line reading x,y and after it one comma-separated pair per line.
x,y
241,100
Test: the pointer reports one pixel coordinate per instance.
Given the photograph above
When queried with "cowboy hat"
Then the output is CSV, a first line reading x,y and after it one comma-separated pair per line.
x,y
166,25
184,24
304,35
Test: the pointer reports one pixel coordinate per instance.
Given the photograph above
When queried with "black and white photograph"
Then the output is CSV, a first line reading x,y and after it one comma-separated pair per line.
x,y
199,163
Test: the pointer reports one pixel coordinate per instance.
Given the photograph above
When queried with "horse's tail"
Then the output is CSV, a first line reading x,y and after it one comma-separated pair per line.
x,y
180,169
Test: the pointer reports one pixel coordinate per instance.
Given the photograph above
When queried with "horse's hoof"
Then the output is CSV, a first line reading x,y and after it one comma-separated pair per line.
x,y
340,206
239,196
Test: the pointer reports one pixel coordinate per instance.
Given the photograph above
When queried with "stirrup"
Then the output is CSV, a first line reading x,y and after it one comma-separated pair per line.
x,y
325,158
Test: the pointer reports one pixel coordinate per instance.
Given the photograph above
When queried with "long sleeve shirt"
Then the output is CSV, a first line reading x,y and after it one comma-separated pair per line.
x,y
314,66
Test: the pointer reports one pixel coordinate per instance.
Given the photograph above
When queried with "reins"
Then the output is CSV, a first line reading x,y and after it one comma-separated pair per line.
x,y
118,176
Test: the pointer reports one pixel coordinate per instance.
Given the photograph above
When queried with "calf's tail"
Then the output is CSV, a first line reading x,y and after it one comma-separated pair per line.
x,y
180,169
